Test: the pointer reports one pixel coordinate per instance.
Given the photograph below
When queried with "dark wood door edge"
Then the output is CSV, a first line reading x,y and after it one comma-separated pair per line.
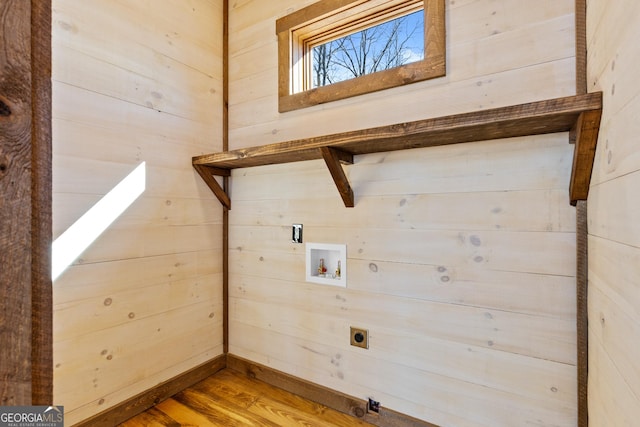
x,y
581,311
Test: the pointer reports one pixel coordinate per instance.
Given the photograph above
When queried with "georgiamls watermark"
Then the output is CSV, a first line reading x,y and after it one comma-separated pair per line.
x,y
31,416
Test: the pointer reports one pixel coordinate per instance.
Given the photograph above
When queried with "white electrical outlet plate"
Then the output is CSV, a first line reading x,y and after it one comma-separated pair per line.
x,y
296,233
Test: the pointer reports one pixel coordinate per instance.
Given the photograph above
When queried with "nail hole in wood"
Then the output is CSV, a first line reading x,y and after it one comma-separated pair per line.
x,y
4,109
4,163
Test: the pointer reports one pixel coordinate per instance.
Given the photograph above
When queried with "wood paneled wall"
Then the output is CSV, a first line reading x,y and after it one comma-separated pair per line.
x,y
136,81
613,210
498,53
461,259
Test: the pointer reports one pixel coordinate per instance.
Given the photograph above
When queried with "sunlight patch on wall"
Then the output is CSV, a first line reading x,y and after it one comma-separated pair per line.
x,y
70,244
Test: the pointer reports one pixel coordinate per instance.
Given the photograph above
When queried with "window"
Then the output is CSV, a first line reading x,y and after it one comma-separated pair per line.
x,y
337,49
376,48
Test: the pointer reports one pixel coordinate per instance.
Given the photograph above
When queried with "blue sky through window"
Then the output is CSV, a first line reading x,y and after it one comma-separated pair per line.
x,y
390,44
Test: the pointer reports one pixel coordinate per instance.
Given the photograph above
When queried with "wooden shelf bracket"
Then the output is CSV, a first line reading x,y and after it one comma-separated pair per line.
x,y
579,114
334,159
585,136
208,174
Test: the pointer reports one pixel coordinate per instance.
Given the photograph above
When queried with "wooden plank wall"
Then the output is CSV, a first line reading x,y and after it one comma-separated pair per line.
x,y
613,30
498,53
136,81
461,259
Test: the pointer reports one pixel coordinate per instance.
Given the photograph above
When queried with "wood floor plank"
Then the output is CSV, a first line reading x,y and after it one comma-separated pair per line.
x,y
220,411
285,398
230,398
183,414
151,418
224,387
284,415
271,403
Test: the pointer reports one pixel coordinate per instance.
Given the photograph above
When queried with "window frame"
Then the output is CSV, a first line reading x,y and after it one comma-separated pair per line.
x,y
326,16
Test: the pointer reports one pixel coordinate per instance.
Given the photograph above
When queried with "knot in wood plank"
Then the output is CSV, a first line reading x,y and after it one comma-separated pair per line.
x,y
4,165
5,111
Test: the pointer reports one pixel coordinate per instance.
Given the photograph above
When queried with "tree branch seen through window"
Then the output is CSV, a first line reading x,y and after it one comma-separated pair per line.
x,y
381,47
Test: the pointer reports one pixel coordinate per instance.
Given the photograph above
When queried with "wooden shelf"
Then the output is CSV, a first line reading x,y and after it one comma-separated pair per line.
x,y
578,114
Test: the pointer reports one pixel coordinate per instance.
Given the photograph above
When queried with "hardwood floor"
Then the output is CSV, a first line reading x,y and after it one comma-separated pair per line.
x,y
229,398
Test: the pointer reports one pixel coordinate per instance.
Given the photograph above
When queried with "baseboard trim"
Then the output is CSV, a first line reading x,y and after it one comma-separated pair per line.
x,y
341,402
145,400
333,399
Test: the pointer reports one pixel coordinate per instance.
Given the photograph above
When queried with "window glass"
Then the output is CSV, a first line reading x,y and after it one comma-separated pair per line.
x,y
336,49
381,47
